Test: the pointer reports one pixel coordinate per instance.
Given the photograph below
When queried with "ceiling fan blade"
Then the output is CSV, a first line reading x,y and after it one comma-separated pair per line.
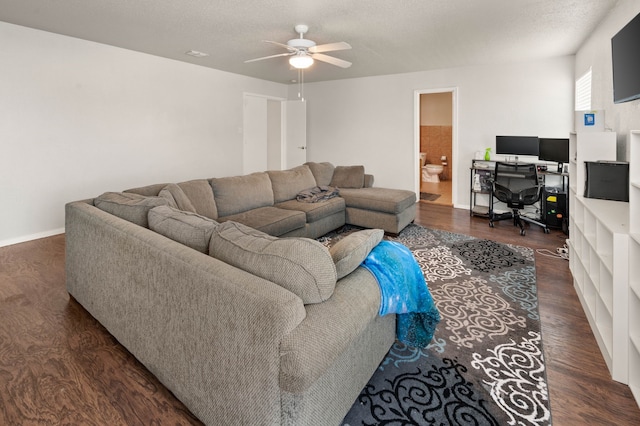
x,y
269,57
330,47
331,60
292,49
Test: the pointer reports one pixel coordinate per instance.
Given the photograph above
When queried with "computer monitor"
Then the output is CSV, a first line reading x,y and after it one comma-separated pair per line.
x,y
554,149
517,145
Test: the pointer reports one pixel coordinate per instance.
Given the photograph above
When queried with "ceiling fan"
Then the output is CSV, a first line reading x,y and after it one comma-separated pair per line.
x,y
303,51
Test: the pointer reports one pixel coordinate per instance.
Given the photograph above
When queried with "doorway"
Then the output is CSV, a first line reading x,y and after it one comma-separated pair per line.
x,y
274,133
435,145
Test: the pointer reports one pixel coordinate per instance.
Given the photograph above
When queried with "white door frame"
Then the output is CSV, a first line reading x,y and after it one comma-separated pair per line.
x,y
453,162
282,123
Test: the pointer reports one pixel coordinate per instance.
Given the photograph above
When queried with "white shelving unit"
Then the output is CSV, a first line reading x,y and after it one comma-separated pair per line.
x,y
599,254
634,264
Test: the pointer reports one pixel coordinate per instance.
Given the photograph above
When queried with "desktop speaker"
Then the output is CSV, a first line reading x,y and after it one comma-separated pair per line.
x,y
607,180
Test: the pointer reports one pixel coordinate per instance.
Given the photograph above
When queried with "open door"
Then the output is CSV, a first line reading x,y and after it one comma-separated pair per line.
x,y
295,135
274,134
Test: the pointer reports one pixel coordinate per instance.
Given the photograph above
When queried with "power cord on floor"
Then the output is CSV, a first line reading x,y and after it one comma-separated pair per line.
x,y
561,252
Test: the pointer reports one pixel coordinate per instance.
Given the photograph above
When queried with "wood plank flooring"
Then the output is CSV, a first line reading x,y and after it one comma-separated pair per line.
x,y
59,366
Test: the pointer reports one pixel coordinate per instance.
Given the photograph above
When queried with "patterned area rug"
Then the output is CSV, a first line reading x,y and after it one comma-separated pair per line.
x,y
485,364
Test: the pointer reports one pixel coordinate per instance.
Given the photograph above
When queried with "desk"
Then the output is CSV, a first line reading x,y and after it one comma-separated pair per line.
x,y
563,175
483,171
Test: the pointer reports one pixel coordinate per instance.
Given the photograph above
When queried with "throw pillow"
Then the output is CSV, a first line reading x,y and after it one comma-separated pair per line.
x,y
287,184
173,192
348,177
200,196
187,228
322,172
350,252
148,190
300,265
129,206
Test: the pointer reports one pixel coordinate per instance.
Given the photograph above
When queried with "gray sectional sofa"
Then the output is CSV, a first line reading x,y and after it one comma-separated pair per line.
x,y
243,326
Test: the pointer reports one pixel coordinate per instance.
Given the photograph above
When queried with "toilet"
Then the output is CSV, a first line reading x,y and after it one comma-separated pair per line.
x,y
430,172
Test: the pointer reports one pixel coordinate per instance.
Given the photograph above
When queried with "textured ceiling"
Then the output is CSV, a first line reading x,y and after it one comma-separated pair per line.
x,y
387,36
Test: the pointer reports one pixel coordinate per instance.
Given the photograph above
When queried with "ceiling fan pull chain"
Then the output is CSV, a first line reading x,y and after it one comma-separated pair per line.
x,y
300,84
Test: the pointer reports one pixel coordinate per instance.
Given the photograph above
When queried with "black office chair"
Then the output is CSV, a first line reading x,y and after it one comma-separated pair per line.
x,y
517,185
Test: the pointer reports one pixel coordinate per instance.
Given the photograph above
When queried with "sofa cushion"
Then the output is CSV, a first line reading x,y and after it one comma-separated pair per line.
x,y
368,181
200,195
315,211
129,206
177,198
187,228
301,265
322,172
237,194
350,252
287,184
385,200
348,177
270,220
148,191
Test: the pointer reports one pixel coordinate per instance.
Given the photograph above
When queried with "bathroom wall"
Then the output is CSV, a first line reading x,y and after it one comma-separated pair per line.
x,y
436,127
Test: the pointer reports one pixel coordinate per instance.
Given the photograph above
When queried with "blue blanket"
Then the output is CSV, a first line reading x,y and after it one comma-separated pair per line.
x,y
404,292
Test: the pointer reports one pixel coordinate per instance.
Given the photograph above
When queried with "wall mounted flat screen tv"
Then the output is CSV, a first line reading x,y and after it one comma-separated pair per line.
x,y
517,145
554,149
625,55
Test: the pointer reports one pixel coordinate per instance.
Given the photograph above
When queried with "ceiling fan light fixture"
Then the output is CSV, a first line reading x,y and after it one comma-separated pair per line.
x,y
301,61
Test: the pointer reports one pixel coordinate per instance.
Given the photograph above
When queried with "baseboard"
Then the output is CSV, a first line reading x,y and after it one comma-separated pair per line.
x,y
31,237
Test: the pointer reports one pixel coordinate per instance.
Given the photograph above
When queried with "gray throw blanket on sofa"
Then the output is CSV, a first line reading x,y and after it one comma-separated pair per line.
x,y
317,194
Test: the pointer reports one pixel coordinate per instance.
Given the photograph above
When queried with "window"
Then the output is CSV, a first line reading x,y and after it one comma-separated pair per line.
x,y
583,92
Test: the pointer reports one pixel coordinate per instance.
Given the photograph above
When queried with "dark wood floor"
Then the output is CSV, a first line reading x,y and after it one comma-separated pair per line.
x,y
59,366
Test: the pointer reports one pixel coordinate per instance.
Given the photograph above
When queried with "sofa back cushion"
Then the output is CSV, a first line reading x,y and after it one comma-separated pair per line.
x,y
300,265
187,228
287,184
322,172
348,177
200,195
129,206
237,194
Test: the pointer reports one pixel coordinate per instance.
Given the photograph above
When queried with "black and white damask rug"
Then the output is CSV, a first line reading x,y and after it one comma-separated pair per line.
x,y
485,364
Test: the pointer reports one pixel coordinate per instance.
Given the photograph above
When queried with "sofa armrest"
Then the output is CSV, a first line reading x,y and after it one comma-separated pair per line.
x,y
368,181
202,327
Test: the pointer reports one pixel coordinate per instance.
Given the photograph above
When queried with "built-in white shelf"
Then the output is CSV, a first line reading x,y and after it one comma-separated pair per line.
x,y
634,264
599,250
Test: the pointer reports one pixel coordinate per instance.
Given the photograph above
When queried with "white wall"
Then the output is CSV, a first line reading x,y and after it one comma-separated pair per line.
x,y
371,120
80,118
274,135
596,53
